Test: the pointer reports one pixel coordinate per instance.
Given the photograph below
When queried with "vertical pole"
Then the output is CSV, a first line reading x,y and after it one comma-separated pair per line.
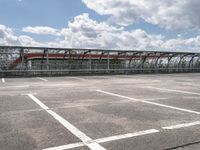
x,y
42,61
168,63
108,62
144,61
90,61
141,60
197,64
180,63
47,57
22,58
190,66
69,60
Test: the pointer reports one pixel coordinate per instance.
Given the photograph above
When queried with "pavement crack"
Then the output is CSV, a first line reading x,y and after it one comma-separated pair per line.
x,y
183,145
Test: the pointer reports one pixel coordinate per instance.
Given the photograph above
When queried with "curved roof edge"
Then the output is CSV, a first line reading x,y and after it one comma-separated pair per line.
x,y
110,50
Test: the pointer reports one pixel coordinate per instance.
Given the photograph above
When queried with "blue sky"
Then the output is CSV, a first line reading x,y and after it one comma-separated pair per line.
x,y
55,13
109,24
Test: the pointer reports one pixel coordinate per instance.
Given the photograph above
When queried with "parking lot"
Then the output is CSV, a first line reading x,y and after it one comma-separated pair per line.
x,y
119,112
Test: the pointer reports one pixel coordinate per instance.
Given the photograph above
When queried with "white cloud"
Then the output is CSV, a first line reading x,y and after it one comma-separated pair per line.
x,y
28,41
7,36
83,32
41,30
183,44
176,14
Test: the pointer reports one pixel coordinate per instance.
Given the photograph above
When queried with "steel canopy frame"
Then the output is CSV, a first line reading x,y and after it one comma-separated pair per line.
x,y
30,61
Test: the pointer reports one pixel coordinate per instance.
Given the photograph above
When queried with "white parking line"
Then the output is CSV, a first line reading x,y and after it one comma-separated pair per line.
x,y
3,80
106,139
148,102
42,79
171,90
117,95
78,78
125,136
43,106
64,147
172,107
182,125
55,85
22,86
82,136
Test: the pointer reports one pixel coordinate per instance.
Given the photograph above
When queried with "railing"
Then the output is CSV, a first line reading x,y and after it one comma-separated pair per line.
x,y
40,61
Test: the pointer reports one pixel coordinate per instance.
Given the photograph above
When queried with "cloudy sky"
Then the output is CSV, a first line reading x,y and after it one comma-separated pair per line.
x,y
106,24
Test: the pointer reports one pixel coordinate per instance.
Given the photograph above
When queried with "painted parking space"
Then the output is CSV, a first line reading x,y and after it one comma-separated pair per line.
x,y
109,112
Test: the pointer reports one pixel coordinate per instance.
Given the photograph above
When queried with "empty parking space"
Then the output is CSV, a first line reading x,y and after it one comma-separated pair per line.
x,y
19,81
112,119
23,125
182,139
32,130
187,102
14,103
100,112
73,97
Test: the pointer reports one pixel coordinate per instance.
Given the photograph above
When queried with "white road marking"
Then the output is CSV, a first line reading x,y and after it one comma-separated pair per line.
x,y
55,85
23,86
43,106
154,99
117,95
64,147
82,79
42,79
106,139
82,136
125,136
3,80
148,102
182,125
171,90
172,107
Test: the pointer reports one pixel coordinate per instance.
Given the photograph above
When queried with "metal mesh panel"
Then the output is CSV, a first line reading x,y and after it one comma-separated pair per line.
x,y
29,61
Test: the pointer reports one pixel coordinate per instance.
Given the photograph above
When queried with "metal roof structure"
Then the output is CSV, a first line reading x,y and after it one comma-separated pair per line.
x,y
82,49
44,60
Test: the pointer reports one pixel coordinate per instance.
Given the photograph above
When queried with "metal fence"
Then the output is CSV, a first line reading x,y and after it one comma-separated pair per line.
x,y
38,61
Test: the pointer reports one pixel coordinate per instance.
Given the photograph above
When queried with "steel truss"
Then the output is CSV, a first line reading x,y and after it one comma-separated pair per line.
x,y
30,61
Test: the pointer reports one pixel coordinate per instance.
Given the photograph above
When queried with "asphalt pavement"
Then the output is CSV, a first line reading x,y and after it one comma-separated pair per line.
x,y
119,112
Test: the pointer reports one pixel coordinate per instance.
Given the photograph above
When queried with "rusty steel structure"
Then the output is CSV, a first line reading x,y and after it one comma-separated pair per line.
x,y
38,61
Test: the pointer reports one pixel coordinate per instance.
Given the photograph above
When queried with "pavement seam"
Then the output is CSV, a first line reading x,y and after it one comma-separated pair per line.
x,y
182,146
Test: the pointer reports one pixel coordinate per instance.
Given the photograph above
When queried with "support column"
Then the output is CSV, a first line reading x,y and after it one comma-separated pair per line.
x,y
90,61
180,67
144,60
64,62
69,60
169,60
47,58
22,59
108,61
191,62
197,68
157,60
